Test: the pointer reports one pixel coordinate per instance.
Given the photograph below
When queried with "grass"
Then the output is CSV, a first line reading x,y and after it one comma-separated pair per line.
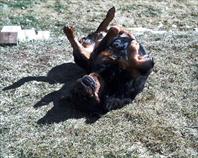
x,y
162,120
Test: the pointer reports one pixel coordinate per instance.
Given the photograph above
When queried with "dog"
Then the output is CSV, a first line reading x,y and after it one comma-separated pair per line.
x,y
117,67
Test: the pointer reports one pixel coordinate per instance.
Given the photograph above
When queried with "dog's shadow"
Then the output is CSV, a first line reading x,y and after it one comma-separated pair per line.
x,y
63,109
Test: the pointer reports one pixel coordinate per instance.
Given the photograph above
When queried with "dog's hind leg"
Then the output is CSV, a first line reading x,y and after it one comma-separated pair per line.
x,y
105,23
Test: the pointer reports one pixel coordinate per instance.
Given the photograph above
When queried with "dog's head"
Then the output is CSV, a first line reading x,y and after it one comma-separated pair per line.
x,y
131,55
86,94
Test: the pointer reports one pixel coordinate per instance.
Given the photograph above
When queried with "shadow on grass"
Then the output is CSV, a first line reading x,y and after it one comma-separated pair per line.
x,y
62,110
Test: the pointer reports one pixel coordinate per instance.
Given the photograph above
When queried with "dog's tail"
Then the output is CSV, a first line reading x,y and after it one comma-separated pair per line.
x,y
28,79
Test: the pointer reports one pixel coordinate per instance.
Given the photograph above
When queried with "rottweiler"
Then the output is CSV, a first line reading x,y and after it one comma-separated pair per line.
x,y
117,67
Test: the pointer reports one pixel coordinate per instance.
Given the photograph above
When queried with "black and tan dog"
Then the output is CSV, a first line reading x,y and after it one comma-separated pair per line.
x,y
117,67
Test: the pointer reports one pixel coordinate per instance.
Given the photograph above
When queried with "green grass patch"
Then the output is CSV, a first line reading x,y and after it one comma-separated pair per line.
x,y
59,7
20,4
25,21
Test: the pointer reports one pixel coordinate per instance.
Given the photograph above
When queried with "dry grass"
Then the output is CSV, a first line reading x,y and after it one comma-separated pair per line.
x,y
162,120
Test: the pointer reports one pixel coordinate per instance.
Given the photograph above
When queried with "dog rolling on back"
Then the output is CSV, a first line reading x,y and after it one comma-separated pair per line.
x,y
117,67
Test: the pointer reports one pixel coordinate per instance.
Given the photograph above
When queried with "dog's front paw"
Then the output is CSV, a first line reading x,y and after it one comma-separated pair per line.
x,y
69,31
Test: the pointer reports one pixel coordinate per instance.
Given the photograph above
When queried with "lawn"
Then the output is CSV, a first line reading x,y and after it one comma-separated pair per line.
x,y
161,122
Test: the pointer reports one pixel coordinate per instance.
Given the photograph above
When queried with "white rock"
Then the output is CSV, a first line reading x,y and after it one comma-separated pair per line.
x,y
11,29
26,35
42,35
8,38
